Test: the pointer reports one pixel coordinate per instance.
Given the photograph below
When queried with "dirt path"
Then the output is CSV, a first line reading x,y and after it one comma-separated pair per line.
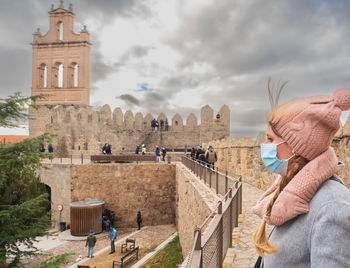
x,y
147,240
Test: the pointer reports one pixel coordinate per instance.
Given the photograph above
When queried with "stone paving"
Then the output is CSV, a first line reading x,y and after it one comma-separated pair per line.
x,y
243,254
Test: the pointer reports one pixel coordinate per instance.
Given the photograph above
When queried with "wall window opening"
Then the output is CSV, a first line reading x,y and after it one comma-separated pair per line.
x,y
60,75
76,75
60,30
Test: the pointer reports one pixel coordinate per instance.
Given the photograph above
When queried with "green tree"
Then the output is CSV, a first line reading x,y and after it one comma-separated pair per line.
x,y
23,199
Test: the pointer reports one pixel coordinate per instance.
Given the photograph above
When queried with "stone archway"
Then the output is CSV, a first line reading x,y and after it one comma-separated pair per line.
x,y
57,177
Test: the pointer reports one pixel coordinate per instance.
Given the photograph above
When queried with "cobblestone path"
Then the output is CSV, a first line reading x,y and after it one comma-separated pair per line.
x,y
243,254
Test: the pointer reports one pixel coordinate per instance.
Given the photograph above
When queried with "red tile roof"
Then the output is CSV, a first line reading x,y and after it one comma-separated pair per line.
x,y
12,138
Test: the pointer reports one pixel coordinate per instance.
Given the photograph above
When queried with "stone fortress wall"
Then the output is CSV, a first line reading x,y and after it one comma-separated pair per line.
x,y
242,156
82,130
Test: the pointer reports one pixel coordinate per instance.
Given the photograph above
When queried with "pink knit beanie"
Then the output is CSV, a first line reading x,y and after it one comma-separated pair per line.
x,y
309,125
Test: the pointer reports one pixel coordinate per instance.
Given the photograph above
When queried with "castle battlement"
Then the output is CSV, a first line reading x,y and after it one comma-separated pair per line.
x,y
81,128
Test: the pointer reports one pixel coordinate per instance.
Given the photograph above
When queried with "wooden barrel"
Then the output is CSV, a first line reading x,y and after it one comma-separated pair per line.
x,y
86,216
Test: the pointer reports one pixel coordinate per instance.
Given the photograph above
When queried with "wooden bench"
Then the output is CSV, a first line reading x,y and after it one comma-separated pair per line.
x,y
130,241
122,158
127,257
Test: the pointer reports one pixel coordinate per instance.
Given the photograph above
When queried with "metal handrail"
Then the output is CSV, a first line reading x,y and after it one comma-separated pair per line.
x,y
196,261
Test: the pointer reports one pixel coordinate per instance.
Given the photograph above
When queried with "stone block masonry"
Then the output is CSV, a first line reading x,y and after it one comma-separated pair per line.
x,y
194,202
58,178
82,130
127,189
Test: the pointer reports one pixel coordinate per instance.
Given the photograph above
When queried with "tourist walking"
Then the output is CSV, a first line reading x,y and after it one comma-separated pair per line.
x,y
163,153
113,237
104,148
50,148
166,125
137,149
193,153
139,220
143,149
161,124
307,203
211,157
157,154
90,243
106,223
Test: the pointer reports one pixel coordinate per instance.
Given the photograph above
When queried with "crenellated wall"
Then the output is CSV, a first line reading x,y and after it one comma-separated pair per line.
x,y
82,130
242,156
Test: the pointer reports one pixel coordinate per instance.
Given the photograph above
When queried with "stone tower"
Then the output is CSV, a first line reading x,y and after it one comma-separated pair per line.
x,y
61,60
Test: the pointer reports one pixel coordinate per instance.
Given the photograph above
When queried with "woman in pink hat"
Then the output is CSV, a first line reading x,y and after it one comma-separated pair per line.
x,y
308,205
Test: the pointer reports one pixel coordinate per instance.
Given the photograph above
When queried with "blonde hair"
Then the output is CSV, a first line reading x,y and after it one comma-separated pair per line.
x,y
261,242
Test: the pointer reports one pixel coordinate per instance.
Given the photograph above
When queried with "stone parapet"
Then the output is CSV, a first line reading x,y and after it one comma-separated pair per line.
x,y
194,202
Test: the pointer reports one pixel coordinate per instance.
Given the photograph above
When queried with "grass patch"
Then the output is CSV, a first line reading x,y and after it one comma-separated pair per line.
x,y
168,257
56,261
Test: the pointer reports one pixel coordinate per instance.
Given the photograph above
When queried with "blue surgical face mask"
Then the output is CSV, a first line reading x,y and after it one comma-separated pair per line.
x,y
270,160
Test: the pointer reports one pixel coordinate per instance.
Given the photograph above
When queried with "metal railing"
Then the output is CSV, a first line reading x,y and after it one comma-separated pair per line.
x,y
209,249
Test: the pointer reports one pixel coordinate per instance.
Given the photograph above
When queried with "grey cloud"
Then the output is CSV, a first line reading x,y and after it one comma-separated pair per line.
x,y
99,69
179,82
129,99
260,36
15,70
135,52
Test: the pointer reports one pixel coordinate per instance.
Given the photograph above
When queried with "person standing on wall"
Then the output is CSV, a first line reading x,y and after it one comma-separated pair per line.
x,y
90,242
157,154
113,237
104,148
163,153
50,148
139,220
211,157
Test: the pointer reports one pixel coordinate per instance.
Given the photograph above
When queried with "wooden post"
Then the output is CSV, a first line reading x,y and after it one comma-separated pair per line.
x,y
210,172
226,182
217,180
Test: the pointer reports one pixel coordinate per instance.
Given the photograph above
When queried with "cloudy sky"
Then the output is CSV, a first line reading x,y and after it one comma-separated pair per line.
x,y
177,56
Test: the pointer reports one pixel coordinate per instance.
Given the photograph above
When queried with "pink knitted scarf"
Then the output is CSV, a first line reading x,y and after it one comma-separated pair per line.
x,y
295,197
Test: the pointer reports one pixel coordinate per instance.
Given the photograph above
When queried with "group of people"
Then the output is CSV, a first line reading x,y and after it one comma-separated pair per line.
x,y
161,125
160,152
49,148
143,149
91,238
209,156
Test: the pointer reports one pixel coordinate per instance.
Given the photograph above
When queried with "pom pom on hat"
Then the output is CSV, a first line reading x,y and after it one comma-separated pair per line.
x,y
342,99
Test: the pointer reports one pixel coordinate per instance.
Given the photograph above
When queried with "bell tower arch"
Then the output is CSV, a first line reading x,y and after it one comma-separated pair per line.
x,y
61,60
